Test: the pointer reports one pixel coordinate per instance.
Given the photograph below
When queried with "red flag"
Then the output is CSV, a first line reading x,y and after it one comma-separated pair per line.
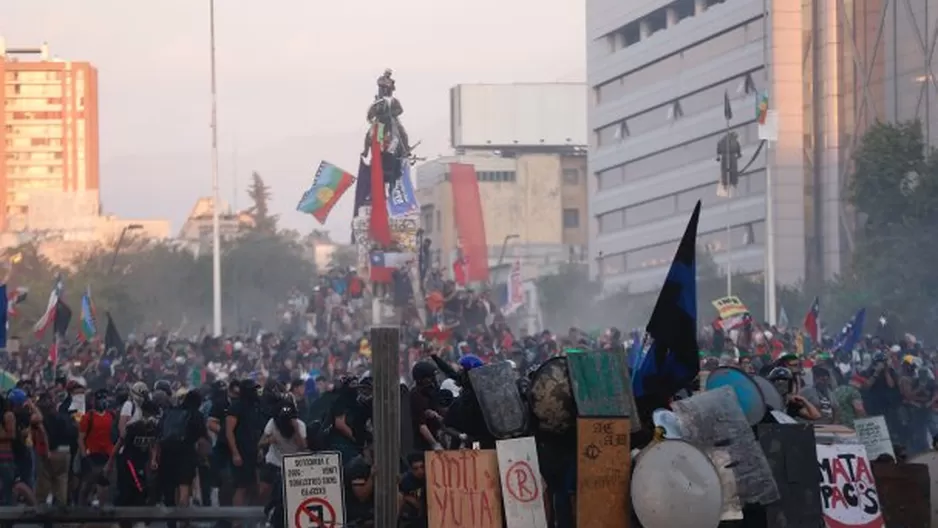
x,y
470,223
812,321
379,226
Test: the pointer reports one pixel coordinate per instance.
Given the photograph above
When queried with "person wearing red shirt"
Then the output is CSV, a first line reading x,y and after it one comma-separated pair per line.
x,y
96,447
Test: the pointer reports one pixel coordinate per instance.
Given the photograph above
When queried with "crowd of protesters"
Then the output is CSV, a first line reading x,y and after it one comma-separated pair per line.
x,y
878,376
98,428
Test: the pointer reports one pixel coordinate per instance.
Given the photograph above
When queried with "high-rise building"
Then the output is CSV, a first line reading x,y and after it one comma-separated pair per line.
x,y
48,130
659,71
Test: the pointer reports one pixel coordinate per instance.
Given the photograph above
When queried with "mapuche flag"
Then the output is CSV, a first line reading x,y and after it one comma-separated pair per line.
x,y
329,184
89,320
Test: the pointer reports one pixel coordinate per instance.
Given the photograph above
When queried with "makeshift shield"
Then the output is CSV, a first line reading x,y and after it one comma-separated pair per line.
x,y
551,397
773,400
598,388
504,410
714,420
674,484
747,391
790,451
907,491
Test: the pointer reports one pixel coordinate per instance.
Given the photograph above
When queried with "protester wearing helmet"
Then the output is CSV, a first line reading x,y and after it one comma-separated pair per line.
x,y
426,414
130,411
796,405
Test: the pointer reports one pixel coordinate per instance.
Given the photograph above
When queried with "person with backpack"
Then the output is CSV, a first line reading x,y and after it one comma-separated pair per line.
x,y
95,445
177,456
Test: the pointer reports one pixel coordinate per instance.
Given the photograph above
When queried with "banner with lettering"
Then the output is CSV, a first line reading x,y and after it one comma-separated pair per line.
x,y
401,200
848,490
732,311
515,288
463,489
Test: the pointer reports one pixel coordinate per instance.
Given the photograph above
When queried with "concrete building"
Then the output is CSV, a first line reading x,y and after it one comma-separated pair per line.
x,y
534,207
658,71
48,129
527,142
196,232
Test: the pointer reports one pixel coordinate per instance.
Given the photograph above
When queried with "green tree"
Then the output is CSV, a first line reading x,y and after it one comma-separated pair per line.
x,y
260,194
894,189
344,257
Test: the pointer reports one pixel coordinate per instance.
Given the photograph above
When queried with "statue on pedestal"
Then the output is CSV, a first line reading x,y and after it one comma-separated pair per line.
x,y
383,114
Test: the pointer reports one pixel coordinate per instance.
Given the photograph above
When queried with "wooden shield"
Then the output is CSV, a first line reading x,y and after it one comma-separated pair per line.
x,y
930,460
790,450
905,492
496,389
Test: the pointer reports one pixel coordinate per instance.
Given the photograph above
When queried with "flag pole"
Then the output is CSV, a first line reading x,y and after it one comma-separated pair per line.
x,y
729,198
770,288
216,235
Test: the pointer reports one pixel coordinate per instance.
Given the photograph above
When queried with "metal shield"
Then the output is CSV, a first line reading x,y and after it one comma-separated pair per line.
x,y
747,392
675,485
496,389
773,400
714,420
790,451
551,397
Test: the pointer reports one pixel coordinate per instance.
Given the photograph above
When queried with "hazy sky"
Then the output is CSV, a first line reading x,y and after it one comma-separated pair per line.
x,y
295,78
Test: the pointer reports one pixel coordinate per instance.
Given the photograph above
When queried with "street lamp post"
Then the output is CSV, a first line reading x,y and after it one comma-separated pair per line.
x,y
216,236
120,241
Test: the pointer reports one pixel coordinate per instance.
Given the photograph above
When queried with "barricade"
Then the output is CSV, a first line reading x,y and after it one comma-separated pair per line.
x,y
57,516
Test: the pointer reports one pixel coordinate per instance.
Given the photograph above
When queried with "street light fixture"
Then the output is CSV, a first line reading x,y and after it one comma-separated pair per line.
x,y
501,256
120,241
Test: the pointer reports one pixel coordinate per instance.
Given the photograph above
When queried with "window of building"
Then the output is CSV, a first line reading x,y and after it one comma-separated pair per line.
x,y
611,178
657,21
495,176
571,218
650,211
571,176
612,221
683,9
631,34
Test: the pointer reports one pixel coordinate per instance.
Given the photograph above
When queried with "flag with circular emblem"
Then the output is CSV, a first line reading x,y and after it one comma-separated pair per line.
x,y
329,185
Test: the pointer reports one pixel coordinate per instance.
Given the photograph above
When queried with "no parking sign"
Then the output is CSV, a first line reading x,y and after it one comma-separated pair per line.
x,y
313,492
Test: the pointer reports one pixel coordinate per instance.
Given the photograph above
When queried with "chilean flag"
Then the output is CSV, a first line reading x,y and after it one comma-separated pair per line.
x,y
812,321
383,264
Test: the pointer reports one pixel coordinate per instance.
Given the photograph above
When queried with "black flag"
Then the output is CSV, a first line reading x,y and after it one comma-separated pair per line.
x,y
672,361
112,338
63,317
727,109
362,186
